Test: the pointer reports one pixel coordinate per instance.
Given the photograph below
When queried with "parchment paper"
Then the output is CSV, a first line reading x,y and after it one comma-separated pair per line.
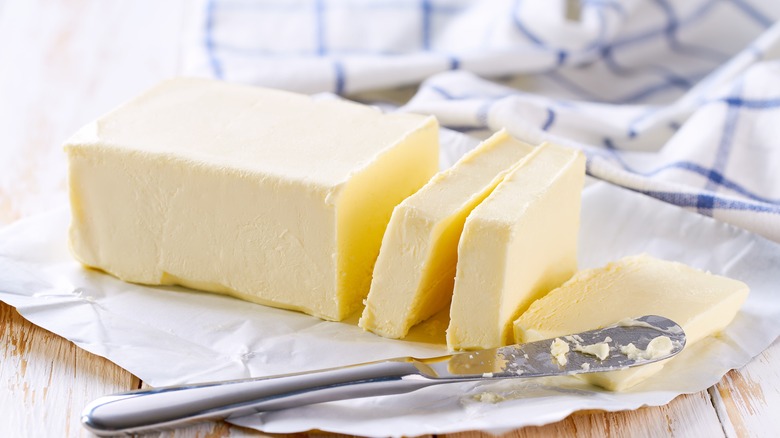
x,y
172,335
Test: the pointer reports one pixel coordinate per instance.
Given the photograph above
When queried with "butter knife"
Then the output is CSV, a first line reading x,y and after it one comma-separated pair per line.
x,y
173,406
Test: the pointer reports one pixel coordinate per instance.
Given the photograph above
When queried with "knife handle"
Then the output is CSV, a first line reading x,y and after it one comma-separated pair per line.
x,y
172,406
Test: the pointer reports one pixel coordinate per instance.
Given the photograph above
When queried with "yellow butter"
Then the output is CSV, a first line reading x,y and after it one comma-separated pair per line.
x,y
415,271
266,195
700,302
517,245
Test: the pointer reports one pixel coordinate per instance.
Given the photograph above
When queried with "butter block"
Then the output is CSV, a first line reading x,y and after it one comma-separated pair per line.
x,y
517,245
266,195
415,271
702,303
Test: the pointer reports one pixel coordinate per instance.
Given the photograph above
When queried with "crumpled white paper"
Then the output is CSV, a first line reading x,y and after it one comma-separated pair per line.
x,y
172,335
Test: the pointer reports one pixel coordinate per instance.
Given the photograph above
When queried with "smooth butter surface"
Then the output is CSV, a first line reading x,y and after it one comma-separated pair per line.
x,y
415,271
263,194
517,245
700,302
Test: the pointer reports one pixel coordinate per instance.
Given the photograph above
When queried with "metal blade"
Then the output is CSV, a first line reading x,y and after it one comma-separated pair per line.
x,y
535,359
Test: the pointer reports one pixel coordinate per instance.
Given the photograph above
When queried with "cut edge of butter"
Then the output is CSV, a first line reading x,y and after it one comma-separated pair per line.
x,y
367,206
414,273
516,246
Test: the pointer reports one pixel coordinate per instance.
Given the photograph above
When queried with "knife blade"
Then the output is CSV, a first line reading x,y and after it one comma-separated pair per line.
x,y
536,359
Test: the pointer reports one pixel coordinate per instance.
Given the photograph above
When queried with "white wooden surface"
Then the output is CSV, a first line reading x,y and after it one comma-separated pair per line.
x,y
62,63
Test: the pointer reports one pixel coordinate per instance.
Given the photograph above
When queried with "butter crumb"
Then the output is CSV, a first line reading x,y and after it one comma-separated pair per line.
x,y
631,322
558,350
657,347
600,350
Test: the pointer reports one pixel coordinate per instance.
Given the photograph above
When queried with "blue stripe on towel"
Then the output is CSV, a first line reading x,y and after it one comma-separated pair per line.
x,y
759,104
319,27
425,11
709,201
752,12
633,97
451,96
712,176
726,140
483,112
700,12
208,40
520,25
670,31
340,82
550,119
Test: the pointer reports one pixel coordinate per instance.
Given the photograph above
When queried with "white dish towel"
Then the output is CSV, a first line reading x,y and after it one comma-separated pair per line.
x,y
677,99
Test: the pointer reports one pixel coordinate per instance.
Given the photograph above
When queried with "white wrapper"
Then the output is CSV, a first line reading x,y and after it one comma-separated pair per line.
x,y
169,335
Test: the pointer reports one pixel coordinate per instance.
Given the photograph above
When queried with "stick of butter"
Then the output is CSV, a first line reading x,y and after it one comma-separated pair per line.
x,y
266,195
415,271
701,303
517,245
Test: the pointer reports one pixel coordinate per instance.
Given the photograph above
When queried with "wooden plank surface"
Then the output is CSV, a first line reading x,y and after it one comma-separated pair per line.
x,y
747,400
45,380
62,63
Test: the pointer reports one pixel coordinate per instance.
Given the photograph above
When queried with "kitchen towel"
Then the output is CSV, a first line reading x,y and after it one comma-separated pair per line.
x,y
679,100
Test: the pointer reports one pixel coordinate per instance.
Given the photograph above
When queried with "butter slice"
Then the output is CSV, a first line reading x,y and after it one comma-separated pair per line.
x,y
701,303
266,195
415,271
517,245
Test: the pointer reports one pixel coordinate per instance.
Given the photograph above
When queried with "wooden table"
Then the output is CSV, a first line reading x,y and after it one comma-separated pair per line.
x,y
63,64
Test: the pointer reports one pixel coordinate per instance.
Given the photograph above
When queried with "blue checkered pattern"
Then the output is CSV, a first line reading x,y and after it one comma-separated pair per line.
x,y
679,100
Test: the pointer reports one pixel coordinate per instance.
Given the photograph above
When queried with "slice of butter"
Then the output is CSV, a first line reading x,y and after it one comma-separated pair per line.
x,y
266,195
415,271
700,302
517,245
